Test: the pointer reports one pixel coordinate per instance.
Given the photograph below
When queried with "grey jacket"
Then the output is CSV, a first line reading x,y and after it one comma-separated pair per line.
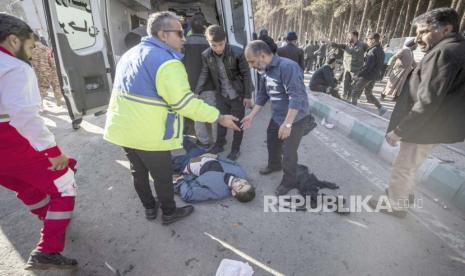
x,y
431,107
237,69
353,55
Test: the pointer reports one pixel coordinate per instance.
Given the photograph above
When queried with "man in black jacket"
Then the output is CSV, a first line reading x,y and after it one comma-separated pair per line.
x,y
430,110
323,79
370,73
229,71
291,51
193,49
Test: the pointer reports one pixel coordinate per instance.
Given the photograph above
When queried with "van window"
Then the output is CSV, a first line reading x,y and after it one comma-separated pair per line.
x,y
75,19
237,7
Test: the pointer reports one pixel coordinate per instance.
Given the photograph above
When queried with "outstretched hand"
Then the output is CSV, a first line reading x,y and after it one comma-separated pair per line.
x,y
229,121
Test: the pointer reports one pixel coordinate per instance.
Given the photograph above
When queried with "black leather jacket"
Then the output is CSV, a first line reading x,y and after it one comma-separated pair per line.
x,y
237,69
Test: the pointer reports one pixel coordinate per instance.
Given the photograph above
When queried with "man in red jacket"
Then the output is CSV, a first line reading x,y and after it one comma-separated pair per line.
x,y
31,163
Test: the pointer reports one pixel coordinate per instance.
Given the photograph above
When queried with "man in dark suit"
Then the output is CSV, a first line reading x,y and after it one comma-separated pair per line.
x,y
292,51
230,73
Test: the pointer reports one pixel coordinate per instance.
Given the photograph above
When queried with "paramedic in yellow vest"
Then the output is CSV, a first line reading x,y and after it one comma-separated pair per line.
x,y
150,97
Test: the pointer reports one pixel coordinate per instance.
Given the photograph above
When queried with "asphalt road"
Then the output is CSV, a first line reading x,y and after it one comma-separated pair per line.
x,y
109,230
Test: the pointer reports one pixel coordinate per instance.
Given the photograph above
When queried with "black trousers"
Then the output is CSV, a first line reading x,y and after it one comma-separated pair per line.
x,y
233,107
158,164
325,89
365,86
283,153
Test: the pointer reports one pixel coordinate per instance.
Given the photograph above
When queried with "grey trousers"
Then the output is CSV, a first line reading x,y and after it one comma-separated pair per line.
x,y
204,131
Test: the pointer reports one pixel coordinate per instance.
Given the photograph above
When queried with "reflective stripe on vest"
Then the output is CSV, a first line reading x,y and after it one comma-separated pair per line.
x,y
58,215
40,204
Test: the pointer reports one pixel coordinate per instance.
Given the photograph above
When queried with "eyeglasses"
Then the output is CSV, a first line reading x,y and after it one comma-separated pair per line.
x,y
180,33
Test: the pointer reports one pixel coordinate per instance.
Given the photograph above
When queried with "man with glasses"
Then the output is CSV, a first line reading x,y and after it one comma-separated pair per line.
x,y
151,95
430,110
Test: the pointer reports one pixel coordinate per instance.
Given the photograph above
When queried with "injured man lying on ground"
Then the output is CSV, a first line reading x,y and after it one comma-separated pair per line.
x,y
210,177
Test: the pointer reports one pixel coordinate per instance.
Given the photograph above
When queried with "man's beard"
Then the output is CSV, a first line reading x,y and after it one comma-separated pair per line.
x,y
22,55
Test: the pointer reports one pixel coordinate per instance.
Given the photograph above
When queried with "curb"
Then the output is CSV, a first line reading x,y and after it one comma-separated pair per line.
x,y
443,180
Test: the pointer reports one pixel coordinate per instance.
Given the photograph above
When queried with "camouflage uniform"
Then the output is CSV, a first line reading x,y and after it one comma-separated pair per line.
x,y
44,65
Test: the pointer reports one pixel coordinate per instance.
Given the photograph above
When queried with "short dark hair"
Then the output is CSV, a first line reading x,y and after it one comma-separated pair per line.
x,y
258,47
247,196
12,25
439,18
331,60
215,33
354,33
198,24
160,21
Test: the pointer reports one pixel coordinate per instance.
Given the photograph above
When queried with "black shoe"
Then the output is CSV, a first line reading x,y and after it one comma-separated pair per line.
x,y
178,214
205,146
283,190
411,197
373,203
233,155
42,261
151,213
216,149
269,170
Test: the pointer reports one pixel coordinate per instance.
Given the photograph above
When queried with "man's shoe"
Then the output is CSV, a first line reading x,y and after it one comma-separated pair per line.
x,y
269,170
42,261
373,203
178,214
282,190
216,149
151,213
233,155
411,197
382,111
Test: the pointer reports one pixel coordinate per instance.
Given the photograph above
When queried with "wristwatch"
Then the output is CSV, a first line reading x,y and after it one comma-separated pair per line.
x,y
288,125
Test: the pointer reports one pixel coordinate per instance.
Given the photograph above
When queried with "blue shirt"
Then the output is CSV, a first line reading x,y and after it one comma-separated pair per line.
x,y
283,84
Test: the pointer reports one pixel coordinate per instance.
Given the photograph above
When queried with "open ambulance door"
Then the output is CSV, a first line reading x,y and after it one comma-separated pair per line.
x,y
78,39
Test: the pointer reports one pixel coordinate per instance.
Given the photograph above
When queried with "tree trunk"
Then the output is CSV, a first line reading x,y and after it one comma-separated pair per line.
x,y
386,18
431,5
408,18
453,4
417,13
351,18
301,38
459,6
381,12
365,10
462,23
400,20
393,21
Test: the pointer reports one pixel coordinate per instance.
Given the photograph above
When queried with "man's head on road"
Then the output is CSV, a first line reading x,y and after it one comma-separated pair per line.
x,y
216,37
352,37
331,62
166,27
258,55
434,26
16,36
242,190
373,39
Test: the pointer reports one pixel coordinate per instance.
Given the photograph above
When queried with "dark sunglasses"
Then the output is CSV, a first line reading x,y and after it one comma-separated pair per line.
x,y
180,33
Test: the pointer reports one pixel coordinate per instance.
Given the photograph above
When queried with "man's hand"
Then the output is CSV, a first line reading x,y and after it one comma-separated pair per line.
x,y
247,122
247,103
284,132
229,121
58,163
392,138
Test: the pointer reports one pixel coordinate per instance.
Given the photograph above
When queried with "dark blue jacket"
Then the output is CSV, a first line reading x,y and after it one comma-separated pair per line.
x,y
374,61
323,76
